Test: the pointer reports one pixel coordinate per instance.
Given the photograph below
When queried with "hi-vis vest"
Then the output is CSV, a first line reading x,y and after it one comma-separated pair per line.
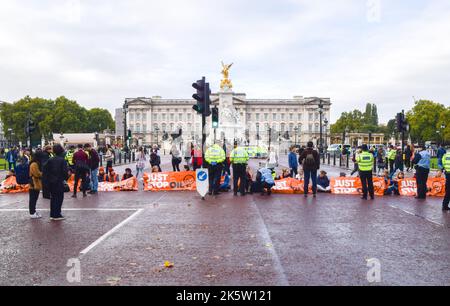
x,y
391,154
215,154
69,157
239,156
365,161
446,162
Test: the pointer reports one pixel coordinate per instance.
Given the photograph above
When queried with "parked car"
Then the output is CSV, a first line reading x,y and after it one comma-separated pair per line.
x,y
337,148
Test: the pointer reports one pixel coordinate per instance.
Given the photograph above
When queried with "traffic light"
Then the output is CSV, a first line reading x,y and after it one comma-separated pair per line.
x,y
30,127
215,117
401,123
202,97
129,134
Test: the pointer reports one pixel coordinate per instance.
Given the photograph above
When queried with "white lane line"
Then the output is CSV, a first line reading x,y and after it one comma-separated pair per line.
x,y
266,237
418,216
109,233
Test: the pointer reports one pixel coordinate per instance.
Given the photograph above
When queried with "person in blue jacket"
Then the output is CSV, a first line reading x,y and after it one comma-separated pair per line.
x,y
11,158
293,161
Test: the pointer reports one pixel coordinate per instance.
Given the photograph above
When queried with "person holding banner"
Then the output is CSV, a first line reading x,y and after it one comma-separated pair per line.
x,y
446,166
423,161
215,156
239,159
365,163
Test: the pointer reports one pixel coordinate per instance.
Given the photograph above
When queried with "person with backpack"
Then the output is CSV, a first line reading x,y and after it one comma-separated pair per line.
x,y
94,163
55,173
35,176
81,162
109,157
23,172
310,161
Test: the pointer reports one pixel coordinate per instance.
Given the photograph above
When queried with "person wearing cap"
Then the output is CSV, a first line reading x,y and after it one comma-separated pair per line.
x,y
446,165
423,162
239,159
365,163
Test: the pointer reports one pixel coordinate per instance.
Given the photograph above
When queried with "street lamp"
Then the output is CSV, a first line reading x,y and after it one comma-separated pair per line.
x,y
370,137
270,136
157,131
443,127
10,136
296,131
320,119
125,129
325,123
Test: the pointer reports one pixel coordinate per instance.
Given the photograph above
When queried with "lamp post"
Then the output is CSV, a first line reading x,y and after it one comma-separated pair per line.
x,y
125,129
443,127
325,123
320,123
257,136
270,137
157,132
370,137
296,131
10,136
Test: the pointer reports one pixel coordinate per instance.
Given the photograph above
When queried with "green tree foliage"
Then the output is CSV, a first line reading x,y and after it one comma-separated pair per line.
x,y
357,121
59,115
426,118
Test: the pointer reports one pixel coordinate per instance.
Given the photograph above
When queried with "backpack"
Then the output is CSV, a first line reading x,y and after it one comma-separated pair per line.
x,y
309,162
23,174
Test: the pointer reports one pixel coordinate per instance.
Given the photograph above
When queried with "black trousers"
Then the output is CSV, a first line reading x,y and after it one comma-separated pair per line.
x,y
422,178
80,174
57,198
215,174
367,183
391,166
239,174
109,165
34,195
176,165
45,189
447,190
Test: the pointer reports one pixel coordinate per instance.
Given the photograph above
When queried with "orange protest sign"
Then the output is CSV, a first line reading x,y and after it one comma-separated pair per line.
x,y
170,181
130,184
289,186
407,187
352,185
436,187
10,186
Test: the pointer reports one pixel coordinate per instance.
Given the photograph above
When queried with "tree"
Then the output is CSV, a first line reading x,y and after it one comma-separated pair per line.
x,y
353,121
61,115
425,119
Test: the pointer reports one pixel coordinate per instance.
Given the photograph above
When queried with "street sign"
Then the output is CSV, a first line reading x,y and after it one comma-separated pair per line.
x,y
202,178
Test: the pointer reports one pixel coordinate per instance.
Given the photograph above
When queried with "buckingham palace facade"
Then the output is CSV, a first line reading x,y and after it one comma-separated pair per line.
x,y
296,120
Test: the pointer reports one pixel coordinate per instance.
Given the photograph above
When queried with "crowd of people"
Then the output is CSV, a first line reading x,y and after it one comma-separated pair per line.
x,y
48,170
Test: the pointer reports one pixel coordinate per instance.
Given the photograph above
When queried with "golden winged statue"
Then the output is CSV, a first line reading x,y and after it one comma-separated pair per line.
x,y
226,82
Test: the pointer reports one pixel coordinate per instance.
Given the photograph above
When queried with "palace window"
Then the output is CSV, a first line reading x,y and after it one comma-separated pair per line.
x,y
257,117
131,127
144,128
311,116
299,116
144,117
266,116
131,116
138,128
310,128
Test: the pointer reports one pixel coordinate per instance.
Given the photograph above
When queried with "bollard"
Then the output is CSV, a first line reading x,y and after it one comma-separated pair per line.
x,y
328,158
334,159
348,161
340,160
134,157
120,158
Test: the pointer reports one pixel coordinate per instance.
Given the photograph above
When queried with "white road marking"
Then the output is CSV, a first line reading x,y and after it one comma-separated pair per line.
x,y
109,233
72,209
418,216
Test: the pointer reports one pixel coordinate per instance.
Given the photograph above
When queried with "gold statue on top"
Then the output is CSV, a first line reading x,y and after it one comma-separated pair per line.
x,y
226,82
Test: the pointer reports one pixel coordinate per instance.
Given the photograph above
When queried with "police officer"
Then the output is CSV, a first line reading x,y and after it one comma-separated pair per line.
x,y
239,158
422,160
446,166
214,156
69,158
365,162
392,153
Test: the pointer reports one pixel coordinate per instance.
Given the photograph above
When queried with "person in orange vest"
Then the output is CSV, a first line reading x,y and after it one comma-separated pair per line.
x,y
101,175
127,175
112,177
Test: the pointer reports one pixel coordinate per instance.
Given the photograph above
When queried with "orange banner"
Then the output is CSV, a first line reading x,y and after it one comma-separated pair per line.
x,y
352,185
290,186
130,184
170,181
408,187
10,186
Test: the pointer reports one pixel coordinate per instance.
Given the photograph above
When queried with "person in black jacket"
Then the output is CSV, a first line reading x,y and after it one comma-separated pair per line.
x,y
94,163
310,160
55,173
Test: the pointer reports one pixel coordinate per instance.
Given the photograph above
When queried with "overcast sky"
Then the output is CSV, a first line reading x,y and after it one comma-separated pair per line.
x,y
353,51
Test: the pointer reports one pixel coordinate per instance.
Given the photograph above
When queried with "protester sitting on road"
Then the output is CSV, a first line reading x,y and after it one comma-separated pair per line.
x,y
155,159
11,173
112,177
285,173
186,168
265,176
393,184
225,186
127,175
439,174
155,169
101,175
301,174
249,177
342,174
323,182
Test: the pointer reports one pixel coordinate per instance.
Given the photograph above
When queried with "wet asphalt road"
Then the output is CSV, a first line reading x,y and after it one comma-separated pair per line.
x,y
226,240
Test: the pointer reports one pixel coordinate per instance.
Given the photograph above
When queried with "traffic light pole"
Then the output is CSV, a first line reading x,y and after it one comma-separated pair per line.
x,y
403,132
203,140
